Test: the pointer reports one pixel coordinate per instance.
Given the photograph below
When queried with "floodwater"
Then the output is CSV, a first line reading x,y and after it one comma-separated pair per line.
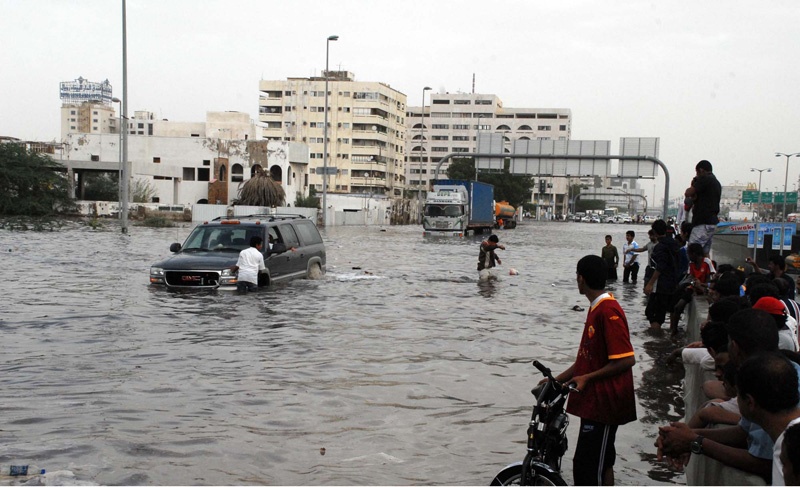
x,y
397,368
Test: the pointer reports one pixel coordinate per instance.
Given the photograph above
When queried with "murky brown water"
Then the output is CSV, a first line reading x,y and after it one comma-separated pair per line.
x,y
405,370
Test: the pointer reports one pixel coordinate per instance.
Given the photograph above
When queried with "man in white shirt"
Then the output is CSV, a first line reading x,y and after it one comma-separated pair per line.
x,y
631,262
250,263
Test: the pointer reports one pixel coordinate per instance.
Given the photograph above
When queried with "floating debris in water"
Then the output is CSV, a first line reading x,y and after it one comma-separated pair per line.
x,y
513,272
322,451
577,308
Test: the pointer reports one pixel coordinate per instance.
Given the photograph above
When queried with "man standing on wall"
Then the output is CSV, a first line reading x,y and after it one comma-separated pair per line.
x,y
705,193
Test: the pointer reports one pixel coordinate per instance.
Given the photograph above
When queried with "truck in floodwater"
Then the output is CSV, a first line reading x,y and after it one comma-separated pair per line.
x,y
456,207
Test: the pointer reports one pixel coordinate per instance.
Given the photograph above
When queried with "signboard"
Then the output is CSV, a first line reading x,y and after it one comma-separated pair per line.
x,y
788,231
766,196
329,170
638,146
490,143
749,196
791,197
82,90
543,166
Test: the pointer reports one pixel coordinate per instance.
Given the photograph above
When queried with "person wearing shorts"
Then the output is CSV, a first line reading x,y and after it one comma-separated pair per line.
x,y
705,192
603,376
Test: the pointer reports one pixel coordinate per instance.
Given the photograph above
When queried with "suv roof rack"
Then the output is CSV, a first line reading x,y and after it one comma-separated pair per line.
x,y
265,216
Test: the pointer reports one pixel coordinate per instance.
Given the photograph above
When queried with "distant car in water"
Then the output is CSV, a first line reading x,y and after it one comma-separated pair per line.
x,y
594,219
205,258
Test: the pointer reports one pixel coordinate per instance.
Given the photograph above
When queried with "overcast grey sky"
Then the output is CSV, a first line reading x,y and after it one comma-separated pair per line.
x,y
716,80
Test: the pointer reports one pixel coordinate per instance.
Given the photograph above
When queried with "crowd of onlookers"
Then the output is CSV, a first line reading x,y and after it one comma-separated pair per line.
x,y
741,389
743,397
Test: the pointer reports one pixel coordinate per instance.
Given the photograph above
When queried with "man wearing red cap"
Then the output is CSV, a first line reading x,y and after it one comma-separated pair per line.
x,y
787,338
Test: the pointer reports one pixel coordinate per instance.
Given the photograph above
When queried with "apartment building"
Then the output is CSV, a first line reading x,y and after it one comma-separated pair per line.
x,y
86,108
452,122
366,129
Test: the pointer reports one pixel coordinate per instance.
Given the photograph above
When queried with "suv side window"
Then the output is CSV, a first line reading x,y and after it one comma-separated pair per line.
x,y
308,232
287,235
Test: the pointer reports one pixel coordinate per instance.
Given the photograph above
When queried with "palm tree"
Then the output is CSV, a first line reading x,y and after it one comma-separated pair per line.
x,y
260,190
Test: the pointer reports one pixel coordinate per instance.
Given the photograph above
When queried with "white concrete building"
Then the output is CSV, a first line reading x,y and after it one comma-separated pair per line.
x,y
452,122
190,163
366,129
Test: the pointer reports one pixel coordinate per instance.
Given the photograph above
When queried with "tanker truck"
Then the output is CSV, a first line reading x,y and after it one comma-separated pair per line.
x,y
504,215
456,207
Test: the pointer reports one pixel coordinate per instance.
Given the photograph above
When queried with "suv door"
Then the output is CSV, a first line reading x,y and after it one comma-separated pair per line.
x,y
295,263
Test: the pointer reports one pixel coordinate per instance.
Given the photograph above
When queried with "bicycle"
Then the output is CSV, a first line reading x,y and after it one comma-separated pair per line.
x,y
547,437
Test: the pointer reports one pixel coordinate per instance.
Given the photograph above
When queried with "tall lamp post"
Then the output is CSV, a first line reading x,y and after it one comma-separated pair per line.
x,y
325,138
125,180
119,131
785,184
760,209
422,141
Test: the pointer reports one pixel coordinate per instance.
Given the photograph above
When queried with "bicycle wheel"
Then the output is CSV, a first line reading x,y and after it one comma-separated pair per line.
x,y
512,474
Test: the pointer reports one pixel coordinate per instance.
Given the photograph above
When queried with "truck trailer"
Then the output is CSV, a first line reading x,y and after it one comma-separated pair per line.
x,y
456,207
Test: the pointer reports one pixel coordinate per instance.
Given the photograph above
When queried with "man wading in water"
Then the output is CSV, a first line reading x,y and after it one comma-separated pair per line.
x,y
487,257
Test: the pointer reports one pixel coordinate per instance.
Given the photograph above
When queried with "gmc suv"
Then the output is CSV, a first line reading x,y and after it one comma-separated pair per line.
x,y
293,249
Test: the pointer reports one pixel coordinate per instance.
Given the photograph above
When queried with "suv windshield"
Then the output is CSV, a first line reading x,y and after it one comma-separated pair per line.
x,y
221,238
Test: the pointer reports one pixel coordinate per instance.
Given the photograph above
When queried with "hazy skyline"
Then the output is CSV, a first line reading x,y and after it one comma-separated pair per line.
x,y
714,80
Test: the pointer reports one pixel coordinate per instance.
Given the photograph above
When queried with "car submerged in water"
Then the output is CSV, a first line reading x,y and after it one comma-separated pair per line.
x,y
293,249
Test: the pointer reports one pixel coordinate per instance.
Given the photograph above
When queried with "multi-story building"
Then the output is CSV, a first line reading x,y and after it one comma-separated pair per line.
x,y
453,121
86,108
366,129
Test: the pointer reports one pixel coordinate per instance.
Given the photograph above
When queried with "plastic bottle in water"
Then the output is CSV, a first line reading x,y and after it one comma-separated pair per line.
x,y
20,470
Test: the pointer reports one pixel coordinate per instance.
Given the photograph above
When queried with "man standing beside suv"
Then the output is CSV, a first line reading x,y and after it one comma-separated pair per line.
x,y
250,263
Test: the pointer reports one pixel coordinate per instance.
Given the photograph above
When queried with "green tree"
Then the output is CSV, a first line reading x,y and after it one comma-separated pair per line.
x,y
311,201
103,186
142,191
31,183
514,188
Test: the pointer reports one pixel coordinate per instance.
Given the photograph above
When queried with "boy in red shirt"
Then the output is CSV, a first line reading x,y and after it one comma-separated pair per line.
x,y
700,269
602,374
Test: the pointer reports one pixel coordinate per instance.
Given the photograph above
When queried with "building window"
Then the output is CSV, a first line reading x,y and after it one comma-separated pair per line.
x,y
461,137
544,128
72,112
237,173
157,160
436,126
460,149
483,102
94,113
206,162
94,128
562,127
439,149
140,126
94,120
203,174
461,127
95,158
441,137
188,174
440,102
462,102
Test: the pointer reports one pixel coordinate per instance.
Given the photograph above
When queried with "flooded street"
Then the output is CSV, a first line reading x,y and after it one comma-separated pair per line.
x,y
399,363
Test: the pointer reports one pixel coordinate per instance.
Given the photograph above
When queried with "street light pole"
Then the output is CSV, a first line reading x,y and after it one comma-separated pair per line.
x,y
119,160
125,183
785,184
755,241
325,137
422,142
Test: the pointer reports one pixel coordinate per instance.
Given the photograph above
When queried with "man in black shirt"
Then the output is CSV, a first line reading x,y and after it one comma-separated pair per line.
x,y
705,193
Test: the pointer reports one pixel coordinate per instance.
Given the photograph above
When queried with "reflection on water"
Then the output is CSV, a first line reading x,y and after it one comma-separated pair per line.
x,y
399,363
